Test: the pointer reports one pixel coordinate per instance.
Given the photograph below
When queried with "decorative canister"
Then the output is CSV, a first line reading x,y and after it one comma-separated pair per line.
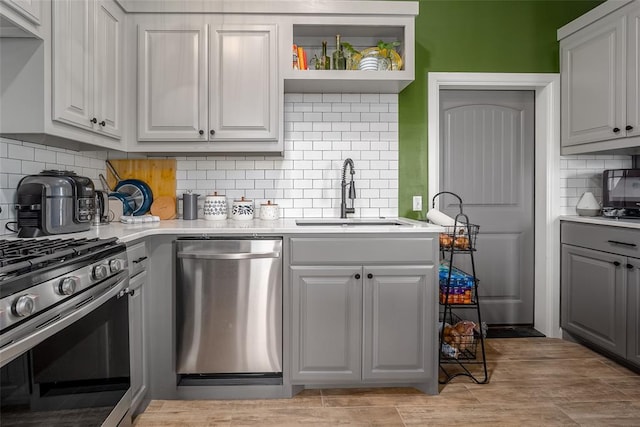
x,y
215,207
269,211
242,209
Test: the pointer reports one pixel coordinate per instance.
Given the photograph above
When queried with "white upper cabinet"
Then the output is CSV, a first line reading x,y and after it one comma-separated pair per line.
x,y
632,125
599,83
243,96
86,65
172,82
108,68
208,86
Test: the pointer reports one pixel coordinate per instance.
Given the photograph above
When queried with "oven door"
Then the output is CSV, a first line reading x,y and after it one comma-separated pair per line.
x,y
76,372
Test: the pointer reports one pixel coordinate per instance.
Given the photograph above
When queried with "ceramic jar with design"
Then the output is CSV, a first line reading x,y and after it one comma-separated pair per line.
x,y
242,209
215,207
269,211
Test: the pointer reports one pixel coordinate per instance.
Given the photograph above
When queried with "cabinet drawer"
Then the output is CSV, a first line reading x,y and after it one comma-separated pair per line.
x,y
137,258
316,251
617,240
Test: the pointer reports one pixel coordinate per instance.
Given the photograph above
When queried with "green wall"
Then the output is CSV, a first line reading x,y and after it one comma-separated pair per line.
x,y
472,36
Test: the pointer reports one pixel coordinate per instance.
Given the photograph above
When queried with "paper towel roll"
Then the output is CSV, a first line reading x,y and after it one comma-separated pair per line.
x,y
438,218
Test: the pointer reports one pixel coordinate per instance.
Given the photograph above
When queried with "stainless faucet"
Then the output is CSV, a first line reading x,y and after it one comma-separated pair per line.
x,y
344,210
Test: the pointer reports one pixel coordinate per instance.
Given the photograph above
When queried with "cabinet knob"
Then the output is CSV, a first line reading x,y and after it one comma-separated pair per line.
x,y
370,276
616,130
616,263
628,127
94,120
201,132
357,276
102,123
630,266
212,132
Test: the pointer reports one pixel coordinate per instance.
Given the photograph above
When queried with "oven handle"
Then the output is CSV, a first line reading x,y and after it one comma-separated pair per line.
x,y
102,294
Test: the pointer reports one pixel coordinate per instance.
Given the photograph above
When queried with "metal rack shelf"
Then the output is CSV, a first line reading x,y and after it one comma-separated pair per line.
x,y
461,341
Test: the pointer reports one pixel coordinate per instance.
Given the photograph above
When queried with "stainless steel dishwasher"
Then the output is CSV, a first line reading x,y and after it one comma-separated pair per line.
x,y
229,308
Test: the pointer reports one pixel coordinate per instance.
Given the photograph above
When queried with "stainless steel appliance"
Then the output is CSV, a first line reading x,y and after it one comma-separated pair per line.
x,y
621,193
101,205
229,309
54,202
64,334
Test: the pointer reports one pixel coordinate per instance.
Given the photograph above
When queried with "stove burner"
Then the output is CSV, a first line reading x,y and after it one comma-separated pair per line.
x,y
23,256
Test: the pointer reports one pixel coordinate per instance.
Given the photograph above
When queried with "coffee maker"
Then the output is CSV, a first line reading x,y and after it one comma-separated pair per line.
x,y
54,202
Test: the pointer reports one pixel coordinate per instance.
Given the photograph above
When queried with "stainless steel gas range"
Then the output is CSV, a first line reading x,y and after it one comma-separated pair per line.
x,y
64,332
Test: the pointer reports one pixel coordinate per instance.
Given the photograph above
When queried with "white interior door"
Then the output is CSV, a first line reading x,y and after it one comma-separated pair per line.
x,y
487,158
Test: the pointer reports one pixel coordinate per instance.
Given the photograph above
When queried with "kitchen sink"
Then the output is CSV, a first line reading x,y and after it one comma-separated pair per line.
x,y
348,222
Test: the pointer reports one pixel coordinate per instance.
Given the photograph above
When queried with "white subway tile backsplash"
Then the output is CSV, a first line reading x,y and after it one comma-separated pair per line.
x,y
322,108
312,97
581,173
320,130
342,108
20,152
303,107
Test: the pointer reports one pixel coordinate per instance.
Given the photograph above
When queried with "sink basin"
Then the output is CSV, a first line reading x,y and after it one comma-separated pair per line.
x,y
348,222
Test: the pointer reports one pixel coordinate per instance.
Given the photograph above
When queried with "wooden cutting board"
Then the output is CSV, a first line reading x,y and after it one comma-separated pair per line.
x,y
159,174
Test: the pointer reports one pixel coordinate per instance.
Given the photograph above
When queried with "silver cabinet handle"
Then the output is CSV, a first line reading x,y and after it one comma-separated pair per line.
x,y
239,255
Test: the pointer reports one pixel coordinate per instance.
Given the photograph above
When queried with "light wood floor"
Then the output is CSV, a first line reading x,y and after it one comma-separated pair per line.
x,y
533,381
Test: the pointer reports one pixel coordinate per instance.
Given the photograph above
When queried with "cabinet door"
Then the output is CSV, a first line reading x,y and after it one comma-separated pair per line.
x,y
593,82
593,298
172,82
30,9
107,53
72,67
633,73
399,324
633,313
326,324
243,66
137,348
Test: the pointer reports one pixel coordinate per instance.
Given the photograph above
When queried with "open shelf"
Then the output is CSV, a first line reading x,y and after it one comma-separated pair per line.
x,y
361,33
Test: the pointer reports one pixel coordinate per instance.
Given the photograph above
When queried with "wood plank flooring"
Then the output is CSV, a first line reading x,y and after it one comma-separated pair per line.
x,y
533,381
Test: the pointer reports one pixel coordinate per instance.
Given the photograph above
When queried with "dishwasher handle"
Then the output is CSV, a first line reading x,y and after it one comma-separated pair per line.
x,y
233,255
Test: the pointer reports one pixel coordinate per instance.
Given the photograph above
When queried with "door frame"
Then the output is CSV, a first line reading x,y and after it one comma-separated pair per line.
x,y
546,315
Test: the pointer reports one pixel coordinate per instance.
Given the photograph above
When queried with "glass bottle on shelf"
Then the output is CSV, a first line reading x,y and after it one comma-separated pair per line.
x,y
325,61
339,60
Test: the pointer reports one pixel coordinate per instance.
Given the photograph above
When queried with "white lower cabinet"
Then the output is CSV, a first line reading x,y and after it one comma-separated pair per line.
x,y
137,348
362,324
366,323
137,259
398,320
600,287
326,324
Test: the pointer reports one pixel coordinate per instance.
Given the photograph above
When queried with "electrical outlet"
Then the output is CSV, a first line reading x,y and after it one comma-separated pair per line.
x,y
417,203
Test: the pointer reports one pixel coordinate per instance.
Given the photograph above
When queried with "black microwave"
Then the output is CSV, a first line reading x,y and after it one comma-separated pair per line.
x,y
621,192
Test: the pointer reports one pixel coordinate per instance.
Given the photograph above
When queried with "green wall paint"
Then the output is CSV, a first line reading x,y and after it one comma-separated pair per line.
x,y
516,36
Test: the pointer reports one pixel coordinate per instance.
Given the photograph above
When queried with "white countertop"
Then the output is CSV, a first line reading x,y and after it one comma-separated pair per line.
x,y
601,220
130,232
